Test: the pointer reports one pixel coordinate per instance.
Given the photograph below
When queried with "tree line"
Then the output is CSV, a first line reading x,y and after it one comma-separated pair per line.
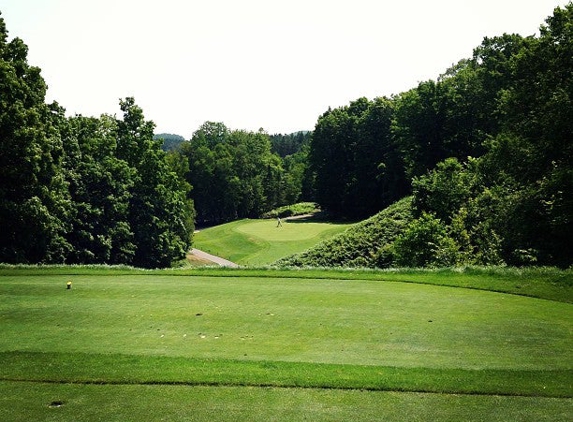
x,y
236,174
83,189
107,190
485,151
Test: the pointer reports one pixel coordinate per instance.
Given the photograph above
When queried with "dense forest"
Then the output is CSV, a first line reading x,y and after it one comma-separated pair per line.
x,y
484,155
486,152
235,173
83,189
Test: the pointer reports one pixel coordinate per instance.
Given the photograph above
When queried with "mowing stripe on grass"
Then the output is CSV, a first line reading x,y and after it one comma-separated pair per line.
x,y
118,369
24,402
543,283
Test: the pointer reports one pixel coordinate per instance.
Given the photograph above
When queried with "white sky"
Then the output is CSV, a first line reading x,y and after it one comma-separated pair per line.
x,y
251,63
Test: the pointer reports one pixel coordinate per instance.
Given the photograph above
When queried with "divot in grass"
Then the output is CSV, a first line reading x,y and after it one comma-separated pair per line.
x,y
56,404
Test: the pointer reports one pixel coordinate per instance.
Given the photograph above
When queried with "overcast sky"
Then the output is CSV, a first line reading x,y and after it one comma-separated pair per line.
x,y
251,63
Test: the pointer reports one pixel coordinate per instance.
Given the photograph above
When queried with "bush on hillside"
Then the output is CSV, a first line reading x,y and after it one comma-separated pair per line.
x,y
425,243
301,208
362,245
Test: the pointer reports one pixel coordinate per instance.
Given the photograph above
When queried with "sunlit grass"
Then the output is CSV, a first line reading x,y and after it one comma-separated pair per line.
x,y
24,402
255,338
260,242
359,322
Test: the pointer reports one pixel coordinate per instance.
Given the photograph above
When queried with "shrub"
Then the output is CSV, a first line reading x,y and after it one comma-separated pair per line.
x,y
425,243
295,209
365,244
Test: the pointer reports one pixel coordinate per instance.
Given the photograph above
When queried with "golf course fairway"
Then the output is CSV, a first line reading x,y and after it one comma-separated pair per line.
x,y
195,346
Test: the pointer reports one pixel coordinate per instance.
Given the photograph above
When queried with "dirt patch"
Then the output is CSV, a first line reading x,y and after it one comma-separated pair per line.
x,y
197,261
56,403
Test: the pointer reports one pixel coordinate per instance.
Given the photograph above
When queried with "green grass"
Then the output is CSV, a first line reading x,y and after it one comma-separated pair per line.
x,y
127,344
364,245
24,402
85,368
543,283
261,242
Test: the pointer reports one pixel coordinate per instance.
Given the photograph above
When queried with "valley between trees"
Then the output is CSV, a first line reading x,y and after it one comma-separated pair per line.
x,y
483,154
469,175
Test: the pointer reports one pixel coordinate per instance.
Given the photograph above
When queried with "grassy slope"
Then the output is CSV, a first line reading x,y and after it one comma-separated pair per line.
x,y
243,329
361,245
260,242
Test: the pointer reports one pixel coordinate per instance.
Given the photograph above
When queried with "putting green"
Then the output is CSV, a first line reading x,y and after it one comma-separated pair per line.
x,y
261,242
289,230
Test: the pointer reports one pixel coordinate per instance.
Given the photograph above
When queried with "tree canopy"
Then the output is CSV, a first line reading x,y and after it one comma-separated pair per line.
x,y
485,153
236,175
486,150
82,189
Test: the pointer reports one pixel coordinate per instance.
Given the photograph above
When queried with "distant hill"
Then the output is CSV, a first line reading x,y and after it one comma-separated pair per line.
x,y
170,141
365,244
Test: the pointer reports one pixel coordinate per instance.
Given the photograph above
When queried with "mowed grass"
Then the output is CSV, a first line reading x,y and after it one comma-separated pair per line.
x,y
24,402
169,346
261,242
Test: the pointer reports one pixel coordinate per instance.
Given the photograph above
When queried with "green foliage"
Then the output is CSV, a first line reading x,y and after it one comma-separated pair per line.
x,y
300,208
34,202
365,244
285,145
354,160
538,123
160,213
443,190
100,185
83,190
295,181
425,243
486,148
513,204
418,127
171,142
509,108
235,175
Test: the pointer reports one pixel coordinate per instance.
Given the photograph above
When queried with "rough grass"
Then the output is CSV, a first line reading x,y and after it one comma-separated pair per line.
x,y
363,245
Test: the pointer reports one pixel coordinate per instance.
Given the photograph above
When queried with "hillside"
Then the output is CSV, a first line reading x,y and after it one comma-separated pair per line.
x,y
365,244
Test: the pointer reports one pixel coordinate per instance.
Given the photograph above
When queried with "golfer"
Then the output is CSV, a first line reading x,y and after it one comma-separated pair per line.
x,y
279,223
